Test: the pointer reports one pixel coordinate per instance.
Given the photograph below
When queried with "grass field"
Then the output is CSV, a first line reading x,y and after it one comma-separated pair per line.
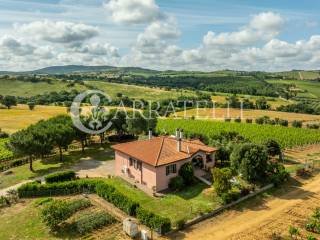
x,y
20,117
287,137
138,92
222,113
273,102
312,88
27,89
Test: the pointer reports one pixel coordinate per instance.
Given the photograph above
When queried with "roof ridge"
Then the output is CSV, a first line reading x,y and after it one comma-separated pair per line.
x,y
160,150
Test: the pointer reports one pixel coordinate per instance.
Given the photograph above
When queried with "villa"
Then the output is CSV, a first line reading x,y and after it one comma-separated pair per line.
x,y
153,162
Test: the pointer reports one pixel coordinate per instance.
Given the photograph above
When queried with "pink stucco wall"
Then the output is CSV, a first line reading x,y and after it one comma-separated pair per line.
x,y
147,175
152,177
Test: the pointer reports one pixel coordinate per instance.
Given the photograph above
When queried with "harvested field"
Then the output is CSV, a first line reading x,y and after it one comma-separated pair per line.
x,y
222,113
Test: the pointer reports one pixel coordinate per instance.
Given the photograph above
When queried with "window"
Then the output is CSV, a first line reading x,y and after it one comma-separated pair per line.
x,y
135,163
171,169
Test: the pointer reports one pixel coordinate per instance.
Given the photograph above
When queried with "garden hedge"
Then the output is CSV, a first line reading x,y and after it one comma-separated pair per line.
x,y
160,224
60,177
104,190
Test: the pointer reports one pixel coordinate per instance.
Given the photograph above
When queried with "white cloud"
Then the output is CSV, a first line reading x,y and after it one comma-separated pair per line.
x,y
133,11
267,22
98,49
58,32
11,45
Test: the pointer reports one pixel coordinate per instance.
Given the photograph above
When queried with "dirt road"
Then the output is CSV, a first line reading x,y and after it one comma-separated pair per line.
x,y
261,219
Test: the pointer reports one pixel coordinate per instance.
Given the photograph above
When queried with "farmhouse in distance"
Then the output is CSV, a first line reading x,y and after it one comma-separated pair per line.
x,y
153,162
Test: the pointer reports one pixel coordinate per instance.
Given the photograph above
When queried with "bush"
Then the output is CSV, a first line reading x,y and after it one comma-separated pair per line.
x,y
89,222
230,196
60,177
249,120
313,126
35,189
118,199
277,173
221,180
227,119
237,120
186,172
283,123
297,124
160,224
176,183
57,211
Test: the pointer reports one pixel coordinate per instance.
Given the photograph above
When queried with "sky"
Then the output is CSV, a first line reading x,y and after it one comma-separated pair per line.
x,y
206,35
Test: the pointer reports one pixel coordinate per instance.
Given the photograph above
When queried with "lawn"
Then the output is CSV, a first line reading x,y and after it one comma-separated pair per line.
x,y
186,204
222,113
52,164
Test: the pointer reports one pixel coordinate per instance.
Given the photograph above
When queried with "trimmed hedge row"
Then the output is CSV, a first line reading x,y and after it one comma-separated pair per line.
x,y
118,199
60,177
104,190
160,224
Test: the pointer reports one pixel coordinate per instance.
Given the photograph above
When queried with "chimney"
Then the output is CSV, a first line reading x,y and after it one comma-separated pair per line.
x,y
179,145
177,133
178,137
150,133
181,133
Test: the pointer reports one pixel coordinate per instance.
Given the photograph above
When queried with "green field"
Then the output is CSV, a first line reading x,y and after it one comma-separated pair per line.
x,y
28,89
138,92
312,88
287,137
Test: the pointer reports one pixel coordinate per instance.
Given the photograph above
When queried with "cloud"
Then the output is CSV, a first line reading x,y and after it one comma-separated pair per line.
x,y
263,26
10,45
133,11
98,49
58,32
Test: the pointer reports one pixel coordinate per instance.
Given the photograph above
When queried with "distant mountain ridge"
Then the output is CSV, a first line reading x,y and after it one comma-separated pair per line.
x,y
67,69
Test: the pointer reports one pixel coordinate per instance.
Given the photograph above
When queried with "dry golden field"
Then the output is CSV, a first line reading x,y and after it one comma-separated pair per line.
x,y
221,113
20,116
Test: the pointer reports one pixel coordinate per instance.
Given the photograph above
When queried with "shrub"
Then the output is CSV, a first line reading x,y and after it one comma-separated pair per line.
x,y
310,126
249,120
227,119
186,172
160,224
297,124
283,122
221,180
89,222
260,120
60,177
118,199
230,196
180,224
35,189
57,211
277,173
176,183
237,120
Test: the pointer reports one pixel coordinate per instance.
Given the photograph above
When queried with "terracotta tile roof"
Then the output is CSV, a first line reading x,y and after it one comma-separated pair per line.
x,y
162,150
